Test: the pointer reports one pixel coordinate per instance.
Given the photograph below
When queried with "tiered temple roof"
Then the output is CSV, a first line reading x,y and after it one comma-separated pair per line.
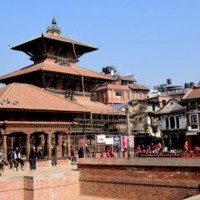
x,y
18,96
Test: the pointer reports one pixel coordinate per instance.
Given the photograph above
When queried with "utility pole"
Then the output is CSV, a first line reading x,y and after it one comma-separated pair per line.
x,y
128,129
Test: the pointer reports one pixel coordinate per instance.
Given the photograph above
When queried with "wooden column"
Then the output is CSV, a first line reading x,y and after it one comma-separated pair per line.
x,y
5,148
49,145
28,146
42,142
68,146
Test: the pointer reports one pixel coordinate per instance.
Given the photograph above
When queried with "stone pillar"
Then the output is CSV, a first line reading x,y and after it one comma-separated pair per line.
x,y
28,146
49,145
169,123
5,148
175,124
42,142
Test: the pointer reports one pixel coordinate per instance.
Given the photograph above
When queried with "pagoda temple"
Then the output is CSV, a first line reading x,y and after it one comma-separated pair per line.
x,y
54,65
49,102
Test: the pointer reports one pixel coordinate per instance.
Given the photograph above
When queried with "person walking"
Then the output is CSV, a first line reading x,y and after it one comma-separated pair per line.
x,y
53,156
18,158
186,147
118,150
32,159
73,157
81,153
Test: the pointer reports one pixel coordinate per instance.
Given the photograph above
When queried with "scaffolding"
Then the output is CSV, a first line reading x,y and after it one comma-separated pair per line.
x,y
89,126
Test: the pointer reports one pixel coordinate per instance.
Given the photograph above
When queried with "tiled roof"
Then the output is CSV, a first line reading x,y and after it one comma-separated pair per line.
x,y
113,87
89,73
28,97
57,38
171,106
159,98
97,107
54,67
128,78
138,87
193,93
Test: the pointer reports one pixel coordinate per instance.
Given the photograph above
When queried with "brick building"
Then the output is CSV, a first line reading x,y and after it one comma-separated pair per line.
x,y
192,102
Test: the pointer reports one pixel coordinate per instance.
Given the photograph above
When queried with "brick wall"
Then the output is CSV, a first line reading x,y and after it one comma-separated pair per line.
x,y
39,187
13,188
140,179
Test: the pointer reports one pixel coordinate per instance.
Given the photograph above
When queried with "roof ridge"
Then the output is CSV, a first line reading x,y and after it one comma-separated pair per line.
x,y
80,67
167,103
75,70
7,90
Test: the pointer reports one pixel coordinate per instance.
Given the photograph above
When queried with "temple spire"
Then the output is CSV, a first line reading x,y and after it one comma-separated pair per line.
x,y
54,29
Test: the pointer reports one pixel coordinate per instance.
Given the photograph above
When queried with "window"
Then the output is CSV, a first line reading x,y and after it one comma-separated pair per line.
x,y
172,122
140,95
192,103
167,123
133,95
163,102
177,122
194,121
127,95
118,94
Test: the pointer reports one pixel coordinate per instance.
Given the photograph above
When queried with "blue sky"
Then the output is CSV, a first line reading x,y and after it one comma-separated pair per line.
x,y
151,39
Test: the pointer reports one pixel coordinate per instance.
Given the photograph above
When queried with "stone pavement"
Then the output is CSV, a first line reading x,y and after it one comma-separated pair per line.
x,y
68,168
90,198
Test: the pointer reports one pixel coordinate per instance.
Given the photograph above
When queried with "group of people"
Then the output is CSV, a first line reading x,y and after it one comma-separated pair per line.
x,y
149,149
34,155
81,153
14,158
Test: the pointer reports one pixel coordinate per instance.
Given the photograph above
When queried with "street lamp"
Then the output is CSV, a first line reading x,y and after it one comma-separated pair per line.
x,y
128,129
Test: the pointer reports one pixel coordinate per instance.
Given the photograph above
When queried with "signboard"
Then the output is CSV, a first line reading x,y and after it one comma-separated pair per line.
x,y
101,138
191,133
124,141
132,142
116,140
109,141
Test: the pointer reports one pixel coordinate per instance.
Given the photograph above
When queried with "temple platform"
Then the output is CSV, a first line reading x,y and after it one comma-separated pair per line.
x,y
106,178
